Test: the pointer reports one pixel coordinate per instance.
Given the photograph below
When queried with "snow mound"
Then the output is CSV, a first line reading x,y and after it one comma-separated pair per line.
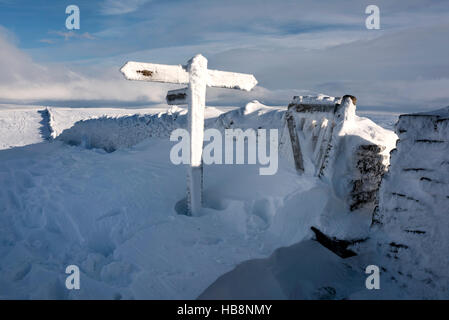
x,y
110,133
61,119
117,132
285,275
252,107
254,115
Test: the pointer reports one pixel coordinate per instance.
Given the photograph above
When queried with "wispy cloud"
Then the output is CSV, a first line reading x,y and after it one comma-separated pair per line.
x,y
67,35
116,7
49,41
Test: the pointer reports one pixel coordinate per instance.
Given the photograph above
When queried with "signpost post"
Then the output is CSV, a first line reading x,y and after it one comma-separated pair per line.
x,y
196,75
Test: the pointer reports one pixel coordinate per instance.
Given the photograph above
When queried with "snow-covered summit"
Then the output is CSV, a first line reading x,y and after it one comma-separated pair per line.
x,y
113,214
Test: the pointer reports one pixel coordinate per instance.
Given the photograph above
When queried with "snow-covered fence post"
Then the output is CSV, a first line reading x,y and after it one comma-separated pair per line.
x,y
198,77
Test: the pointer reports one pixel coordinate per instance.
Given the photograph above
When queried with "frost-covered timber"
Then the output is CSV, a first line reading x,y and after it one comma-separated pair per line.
x,y
198,77
414,205
196,96
177,97
141,71
328,140
310,122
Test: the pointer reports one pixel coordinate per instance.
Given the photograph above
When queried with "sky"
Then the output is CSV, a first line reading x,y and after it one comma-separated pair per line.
x,y
292,48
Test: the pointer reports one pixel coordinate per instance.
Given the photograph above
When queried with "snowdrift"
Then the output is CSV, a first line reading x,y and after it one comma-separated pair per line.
x,y
111,134
119,132
112,213
348,153
285,275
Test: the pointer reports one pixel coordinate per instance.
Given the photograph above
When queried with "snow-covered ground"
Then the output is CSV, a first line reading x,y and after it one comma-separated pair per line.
x,y
68,201
385,119
21,125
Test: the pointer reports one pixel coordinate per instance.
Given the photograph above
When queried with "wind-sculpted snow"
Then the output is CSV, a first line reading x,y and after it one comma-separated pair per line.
x,y
111,134
284,275
68,201
254,115
113,215
20,126
414,201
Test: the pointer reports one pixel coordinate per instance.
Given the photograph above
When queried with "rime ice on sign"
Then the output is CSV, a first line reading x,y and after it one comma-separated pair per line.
x,y
197,77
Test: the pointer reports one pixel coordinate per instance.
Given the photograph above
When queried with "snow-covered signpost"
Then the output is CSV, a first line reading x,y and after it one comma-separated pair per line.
x,y
196,75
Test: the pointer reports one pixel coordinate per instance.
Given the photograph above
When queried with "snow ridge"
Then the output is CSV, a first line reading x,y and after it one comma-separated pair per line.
x,y
112,133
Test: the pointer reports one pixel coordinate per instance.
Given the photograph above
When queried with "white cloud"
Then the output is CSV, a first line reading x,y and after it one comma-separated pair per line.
x,y
403,66
115,7
49,41
23,80
72,34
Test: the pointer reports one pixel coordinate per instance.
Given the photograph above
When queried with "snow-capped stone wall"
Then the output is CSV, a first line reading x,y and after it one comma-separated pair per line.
x,y
414,204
